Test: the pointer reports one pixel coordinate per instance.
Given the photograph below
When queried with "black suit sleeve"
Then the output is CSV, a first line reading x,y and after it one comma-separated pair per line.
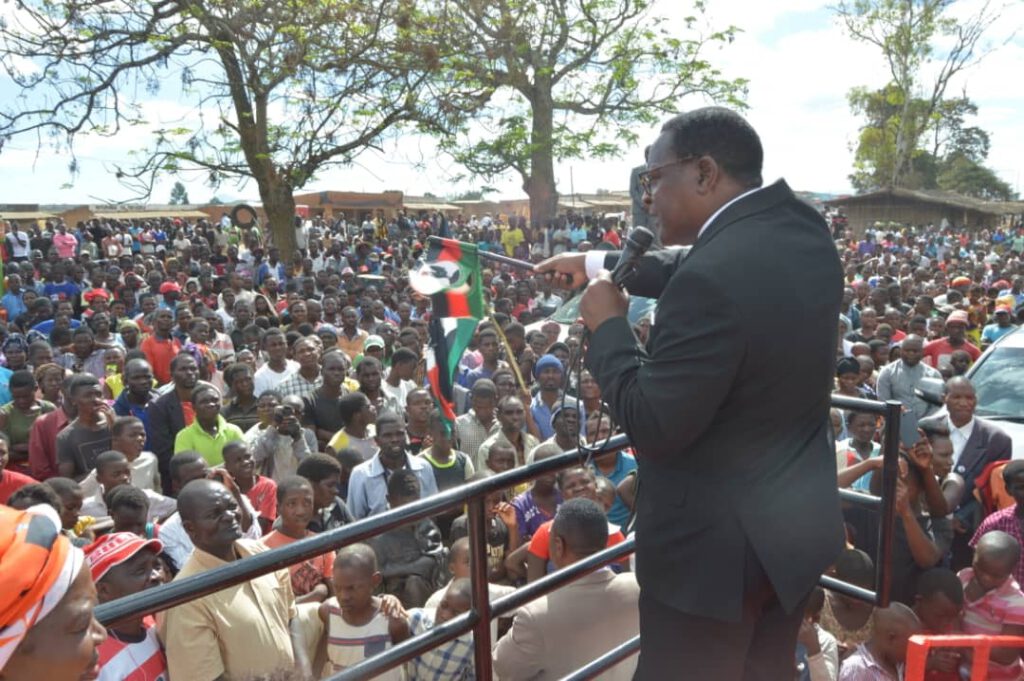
x,y
161,440
652,273
668,398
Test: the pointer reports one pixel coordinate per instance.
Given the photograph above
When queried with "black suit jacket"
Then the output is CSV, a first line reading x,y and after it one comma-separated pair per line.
x,y
728,406
988,443
166,419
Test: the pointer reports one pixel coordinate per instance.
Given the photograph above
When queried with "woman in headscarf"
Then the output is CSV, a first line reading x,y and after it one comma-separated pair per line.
x,y
47,597
50,379
15,349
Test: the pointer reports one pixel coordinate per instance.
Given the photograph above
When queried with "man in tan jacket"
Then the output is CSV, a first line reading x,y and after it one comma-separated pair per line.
x,y
560,632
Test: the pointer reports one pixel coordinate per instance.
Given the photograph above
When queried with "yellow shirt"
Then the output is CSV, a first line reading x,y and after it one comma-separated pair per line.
x,y
240,632
511,238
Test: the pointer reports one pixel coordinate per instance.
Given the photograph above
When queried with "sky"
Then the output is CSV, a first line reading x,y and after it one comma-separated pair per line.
x,y
799,62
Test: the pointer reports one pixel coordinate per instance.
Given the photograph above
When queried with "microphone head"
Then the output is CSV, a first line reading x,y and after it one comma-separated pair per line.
x,y
641,237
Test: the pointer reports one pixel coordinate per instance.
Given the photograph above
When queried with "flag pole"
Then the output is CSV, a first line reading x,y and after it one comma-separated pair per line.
x,y
508,351
503,259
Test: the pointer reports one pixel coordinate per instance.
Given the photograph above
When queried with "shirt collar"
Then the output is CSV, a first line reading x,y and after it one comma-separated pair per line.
x,y
377,468
726,205
966,430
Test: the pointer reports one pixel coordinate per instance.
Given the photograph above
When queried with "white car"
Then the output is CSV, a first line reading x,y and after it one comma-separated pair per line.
x,y
998,378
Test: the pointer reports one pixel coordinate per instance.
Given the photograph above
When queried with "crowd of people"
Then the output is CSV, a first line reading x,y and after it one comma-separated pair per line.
x,y
176,397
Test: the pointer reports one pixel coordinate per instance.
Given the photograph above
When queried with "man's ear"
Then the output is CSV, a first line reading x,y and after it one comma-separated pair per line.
x,y
557,548
709,174
376,579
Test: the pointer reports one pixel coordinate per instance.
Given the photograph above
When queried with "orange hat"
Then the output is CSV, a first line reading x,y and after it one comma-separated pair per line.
x,y
37,566
960,281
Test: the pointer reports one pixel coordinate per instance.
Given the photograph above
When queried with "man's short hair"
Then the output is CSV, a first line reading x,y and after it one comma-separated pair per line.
x,y
403,483
128,497
723,135
33,494
317,467
404,356
79,381
22,378
386,417
289,483
349,405
582,525
483,387
359,556
182,459
109,458
181,357
941,580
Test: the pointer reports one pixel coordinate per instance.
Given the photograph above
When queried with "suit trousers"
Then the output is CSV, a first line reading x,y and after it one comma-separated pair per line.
x,y
760,647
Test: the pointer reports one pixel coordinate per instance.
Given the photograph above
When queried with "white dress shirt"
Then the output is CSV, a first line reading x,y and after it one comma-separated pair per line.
x,y
594,262
959,436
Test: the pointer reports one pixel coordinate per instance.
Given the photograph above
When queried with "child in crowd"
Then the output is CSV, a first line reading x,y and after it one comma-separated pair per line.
x,y
573,482
859,455
451,661
939,604
459,560
993,602
261,490
76,526
410,556
349,458
538,504
124,564
451,468
113,470
817,655
849,619
311,579
329,509
881,658
128,507
359,625
128,436
502,535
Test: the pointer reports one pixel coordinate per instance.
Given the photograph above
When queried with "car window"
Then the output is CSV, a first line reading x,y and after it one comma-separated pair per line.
x,y
569,312
999,382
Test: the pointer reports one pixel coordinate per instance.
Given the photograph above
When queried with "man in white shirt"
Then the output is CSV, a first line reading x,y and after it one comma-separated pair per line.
x,y
278,366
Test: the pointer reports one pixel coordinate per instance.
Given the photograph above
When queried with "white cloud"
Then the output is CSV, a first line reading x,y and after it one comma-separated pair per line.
x,y
798,60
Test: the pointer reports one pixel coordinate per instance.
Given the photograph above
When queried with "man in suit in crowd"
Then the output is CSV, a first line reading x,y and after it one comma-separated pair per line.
x,y
976,444
167,414
559,633
738,513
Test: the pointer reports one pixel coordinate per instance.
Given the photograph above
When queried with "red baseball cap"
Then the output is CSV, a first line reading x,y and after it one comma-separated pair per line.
x,y
112,549
169,286
958,317
1004,308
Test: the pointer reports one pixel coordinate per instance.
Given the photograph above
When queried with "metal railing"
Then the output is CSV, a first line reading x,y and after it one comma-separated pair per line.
x,y
482,611
981,646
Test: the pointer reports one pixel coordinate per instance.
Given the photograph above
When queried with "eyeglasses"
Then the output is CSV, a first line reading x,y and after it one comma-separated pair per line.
x,y
645,176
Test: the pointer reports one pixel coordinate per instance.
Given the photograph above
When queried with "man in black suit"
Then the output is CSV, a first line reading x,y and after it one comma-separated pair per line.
x,y
167,417
728,404
976,444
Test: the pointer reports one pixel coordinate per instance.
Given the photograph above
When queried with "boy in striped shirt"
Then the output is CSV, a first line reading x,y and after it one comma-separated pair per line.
x,y
993,601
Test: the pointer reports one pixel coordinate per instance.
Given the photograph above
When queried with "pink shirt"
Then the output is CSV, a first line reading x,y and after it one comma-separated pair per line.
x,y
1005,520
862,666
987,615
65,244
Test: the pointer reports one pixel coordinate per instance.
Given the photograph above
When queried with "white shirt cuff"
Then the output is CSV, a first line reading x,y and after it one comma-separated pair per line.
x,y
594,263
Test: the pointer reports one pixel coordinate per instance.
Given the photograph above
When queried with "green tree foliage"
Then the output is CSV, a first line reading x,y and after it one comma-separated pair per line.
x,y
179,195
915,37
572,79
282,88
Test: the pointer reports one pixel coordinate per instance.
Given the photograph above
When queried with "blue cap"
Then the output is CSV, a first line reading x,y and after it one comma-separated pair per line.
x,y
545,362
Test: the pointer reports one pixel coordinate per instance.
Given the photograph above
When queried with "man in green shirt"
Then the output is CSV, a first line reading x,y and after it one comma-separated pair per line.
x,y
209,431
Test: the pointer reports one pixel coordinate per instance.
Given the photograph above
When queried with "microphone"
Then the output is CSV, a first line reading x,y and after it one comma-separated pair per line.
x,y
637,243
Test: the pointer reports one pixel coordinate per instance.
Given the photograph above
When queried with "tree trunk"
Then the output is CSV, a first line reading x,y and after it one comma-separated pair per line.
x,y
539,185
279,205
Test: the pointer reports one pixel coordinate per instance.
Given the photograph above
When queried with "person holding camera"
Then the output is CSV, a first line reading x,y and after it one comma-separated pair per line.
x,y
279,448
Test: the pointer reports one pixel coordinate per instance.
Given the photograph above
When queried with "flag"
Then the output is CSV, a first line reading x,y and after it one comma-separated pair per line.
x,y
450,275
449,338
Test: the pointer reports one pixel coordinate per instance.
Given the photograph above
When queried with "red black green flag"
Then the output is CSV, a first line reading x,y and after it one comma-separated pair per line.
x,y
450,275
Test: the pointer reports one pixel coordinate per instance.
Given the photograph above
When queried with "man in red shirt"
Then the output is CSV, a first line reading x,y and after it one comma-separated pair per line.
x,y
10,481
939,351
160,348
